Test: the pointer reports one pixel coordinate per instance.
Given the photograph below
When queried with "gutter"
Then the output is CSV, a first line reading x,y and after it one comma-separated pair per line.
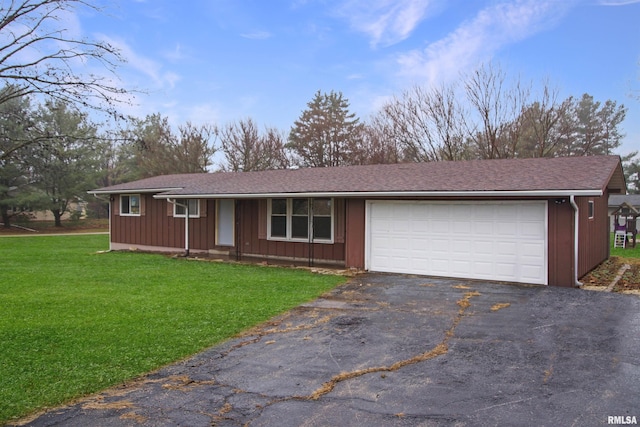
x,y
186,224
134,191
365,194
576,225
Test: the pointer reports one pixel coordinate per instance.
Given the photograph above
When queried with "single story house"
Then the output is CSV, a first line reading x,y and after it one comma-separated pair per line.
x,y
540,221
616,200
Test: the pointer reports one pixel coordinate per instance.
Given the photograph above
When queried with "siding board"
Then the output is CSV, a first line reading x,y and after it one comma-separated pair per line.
x,y
560,238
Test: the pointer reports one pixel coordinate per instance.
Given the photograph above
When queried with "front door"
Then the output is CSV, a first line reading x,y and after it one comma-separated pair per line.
x,y
225,231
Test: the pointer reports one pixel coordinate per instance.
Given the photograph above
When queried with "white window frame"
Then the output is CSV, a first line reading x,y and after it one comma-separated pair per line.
x,y
192,214
129,196
591,209
289,215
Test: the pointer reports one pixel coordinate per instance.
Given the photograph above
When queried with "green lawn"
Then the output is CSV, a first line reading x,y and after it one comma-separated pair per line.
x,y
628,251
73,321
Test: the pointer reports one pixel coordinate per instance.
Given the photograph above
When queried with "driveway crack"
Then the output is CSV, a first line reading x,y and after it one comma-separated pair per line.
x,y
440,349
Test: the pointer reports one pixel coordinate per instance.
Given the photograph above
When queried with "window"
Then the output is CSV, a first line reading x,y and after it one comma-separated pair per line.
x,y
279,218
130,205
179,210
300,219
591,209
322,219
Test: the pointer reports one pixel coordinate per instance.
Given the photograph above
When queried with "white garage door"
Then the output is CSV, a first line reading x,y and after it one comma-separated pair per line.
x,y
504,241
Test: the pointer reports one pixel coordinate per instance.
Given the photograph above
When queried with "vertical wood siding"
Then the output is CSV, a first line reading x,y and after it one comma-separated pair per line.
x,y
157,228
593,233
560,241
355,233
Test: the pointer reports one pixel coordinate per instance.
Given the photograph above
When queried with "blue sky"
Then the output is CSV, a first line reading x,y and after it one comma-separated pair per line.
x,y
213,61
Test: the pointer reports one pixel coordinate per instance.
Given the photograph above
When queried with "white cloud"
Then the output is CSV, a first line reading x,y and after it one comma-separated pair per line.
x,y
386,22
175,55
257,35
476,40
150,68
201,114
617,2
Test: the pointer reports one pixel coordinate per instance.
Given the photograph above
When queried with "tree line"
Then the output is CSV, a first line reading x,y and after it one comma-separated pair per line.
x,y
52,152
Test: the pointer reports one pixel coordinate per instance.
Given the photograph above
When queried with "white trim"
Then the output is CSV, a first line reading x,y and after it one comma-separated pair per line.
x,y
135,191
591,209
435,194
129,213
191,215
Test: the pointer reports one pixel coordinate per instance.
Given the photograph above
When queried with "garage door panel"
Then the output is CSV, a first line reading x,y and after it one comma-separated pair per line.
x,y
482,269
530,229
483,228
483,247
440,226
506,227
439,266
420,226
505,248
531,271
489,240
532,212
532,249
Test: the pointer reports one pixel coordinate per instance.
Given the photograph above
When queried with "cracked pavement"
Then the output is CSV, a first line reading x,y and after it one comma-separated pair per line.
x,y
399,350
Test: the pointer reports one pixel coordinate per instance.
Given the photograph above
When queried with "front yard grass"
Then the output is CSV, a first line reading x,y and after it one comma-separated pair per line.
x,y
74,321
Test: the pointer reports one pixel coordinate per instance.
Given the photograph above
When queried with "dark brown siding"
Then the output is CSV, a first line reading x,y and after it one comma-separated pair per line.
x,y
355,233
251,244
157,228
560,236
593,233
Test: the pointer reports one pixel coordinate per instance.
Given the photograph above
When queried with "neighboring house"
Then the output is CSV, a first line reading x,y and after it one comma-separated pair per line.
x,y
541,221
614,203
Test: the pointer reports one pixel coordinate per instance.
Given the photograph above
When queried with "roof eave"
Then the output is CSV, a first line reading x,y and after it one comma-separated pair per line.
x,y
446,194
134,191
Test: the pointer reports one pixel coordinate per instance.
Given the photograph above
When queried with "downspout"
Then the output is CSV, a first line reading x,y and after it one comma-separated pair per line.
x,y
576,219
108,213
310,230
186,224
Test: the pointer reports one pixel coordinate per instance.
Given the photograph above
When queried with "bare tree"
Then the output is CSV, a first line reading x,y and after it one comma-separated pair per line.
x,y
375,144
542,124
38,56
498,105
245,149
427,124
193,149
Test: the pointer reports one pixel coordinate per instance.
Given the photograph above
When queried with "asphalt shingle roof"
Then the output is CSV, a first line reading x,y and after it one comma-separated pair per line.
x,y
618,199
539,174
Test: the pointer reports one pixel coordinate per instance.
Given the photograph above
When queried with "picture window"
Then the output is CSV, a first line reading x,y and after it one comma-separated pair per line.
x,y
301,219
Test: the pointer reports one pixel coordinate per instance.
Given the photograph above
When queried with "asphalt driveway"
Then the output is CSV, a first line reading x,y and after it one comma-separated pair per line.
x,y
392,350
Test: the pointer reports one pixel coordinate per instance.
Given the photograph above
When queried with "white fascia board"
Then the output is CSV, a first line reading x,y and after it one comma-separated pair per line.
x,y
134,191
446,194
